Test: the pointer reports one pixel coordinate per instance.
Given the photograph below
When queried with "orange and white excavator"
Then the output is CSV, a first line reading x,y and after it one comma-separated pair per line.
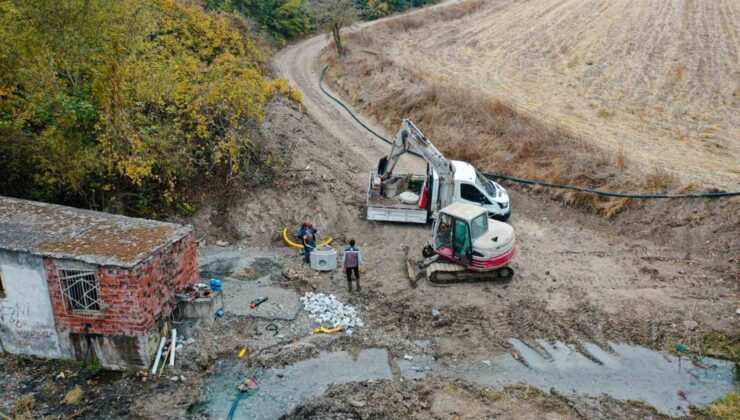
x,y
467,245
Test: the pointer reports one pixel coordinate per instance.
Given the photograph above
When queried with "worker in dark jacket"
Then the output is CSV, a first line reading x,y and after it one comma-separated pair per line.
x,y
307,227
309,244
308,234
352,263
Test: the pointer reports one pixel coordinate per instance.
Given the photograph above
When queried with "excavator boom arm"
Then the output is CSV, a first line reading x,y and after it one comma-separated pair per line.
x,y
410,138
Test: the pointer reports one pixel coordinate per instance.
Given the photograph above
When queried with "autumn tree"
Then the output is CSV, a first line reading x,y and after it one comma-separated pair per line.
x,y
284,18
122,105
332,16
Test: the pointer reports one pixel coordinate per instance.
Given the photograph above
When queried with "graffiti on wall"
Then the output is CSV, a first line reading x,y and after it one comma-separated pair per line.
x,y
26,319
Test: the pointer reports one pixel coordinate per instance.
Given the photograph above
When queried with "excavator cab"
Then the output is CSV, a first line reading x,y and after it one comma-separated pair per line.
x,y
462,247
453,237
465,235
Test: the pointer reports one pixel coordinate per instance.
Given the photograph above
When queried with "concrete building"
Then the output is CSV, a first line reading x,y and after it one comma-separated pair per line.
x,y
78,284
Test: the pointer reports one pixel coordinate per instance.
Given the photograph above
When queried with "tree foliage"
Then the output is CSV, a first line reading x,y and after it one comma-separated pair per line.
x,y
332,16
371,9
286,19
120,104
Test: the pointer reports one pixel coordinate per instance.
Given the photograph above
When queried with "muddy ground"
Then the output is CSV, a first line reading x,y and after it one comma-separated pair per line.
x,y
579,278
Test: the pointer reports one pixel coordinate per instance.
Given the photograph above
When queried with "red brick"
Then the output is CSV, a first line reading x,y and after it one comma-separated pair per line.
x,y
135,298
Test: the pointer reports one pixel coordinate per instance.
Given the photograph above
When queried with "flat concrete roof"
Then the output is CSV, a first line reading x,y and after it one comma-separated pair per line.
x,y
83,235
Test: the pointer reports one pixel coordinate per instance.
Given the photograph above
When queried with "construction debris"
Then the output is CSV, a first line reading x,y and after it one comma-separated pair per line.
x,y
328,310
248,384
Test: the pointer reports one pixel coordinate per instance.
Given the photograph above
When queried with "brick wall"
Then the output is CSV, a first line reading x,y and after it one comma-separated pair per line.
x,y
134,299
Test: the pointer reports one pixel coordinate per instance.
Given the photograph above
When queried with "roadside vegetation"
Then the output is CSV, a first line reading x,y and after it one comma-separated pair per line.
x,y
133,106
124,106
285,20
726,408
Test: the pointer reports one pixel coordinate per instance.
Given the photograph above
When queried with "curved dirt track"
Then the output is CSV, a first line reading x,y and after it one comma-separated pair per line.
x,y
567,260
658,80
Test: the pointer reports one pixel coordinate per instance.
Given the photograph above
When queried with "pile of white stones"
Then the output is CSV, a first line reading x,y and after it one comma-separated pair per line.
x,y
329,311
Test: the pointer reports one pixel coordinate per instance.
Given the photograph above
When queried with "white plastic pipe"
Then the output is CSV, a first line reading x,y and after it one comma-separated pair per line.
x,y
159,355
173,346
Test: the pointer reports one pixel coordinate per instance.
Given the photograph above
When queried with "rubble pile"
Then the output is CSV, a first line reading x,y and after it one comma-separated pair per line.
x,y
328,310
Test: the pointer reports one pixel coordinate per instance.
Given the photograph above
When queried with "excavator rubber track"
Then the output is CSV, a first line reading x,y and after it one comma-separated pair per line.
x,y
446,273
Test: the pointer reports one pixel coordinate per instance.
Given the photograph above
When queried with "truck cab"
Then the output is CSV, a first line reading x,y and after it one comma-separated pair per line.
x,y
472,187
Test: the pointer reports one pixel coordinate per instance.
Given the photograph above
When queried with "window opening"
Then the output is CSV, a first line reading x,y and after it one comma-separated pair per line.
x,y
471,193
80,290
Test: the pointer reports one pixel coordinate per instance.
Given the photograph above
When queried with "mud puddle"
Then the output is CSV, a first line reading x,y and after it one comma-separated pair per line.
x,y
625,372
666,382
239,263
280,390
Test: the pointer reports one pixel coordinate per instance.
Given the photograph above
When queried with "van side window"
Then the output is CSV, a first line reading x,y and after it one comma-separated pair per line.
x,y
471,193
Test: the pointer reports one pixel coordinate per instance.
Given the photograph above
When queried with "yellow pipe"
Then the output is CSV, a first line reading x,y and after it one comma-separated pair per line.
x,y
325,330
287,240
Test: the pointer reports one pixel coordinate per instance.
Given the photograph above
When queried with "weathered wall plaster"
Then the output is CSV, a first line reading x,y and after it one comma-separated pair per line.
x,y
26,316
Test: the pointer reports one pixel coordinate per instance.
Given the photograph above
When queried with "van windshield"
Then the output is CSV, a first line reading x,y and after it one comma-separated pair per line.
x,y
479,226
484,184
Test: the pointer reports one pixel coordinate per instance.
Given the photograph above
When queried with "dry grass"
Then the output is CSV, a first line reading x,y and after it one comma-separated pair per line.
x,y
440,14
23,406
660,181
477,128
617,74
688,188
726,408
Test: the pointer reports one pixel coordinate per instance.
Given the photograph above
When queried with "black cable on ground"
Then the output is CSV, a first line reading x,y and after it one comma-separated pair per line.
x,y
611,194
539,183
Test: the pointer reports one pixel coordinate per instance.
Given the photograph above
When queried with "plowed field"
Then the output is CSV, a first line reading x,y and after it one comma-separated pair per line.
x,y
657,80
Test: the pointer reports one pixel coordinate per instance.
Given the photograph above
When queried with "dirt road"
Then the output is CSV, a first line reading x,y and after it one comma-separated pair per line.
x,y
657,80
567,261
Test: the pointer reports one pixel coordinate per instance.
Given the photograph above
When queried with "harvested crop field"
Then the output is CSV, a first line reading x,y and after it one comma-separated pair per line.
x,y
657,81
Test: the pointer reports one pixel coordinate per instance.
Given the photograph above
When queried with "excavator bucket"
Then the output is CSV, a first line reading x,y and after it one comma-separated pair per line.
x,y
412,268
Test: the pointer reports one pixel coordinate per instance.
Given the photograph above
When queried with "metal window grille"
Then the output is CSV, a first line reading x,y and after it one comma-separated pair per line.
x,y
80,290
